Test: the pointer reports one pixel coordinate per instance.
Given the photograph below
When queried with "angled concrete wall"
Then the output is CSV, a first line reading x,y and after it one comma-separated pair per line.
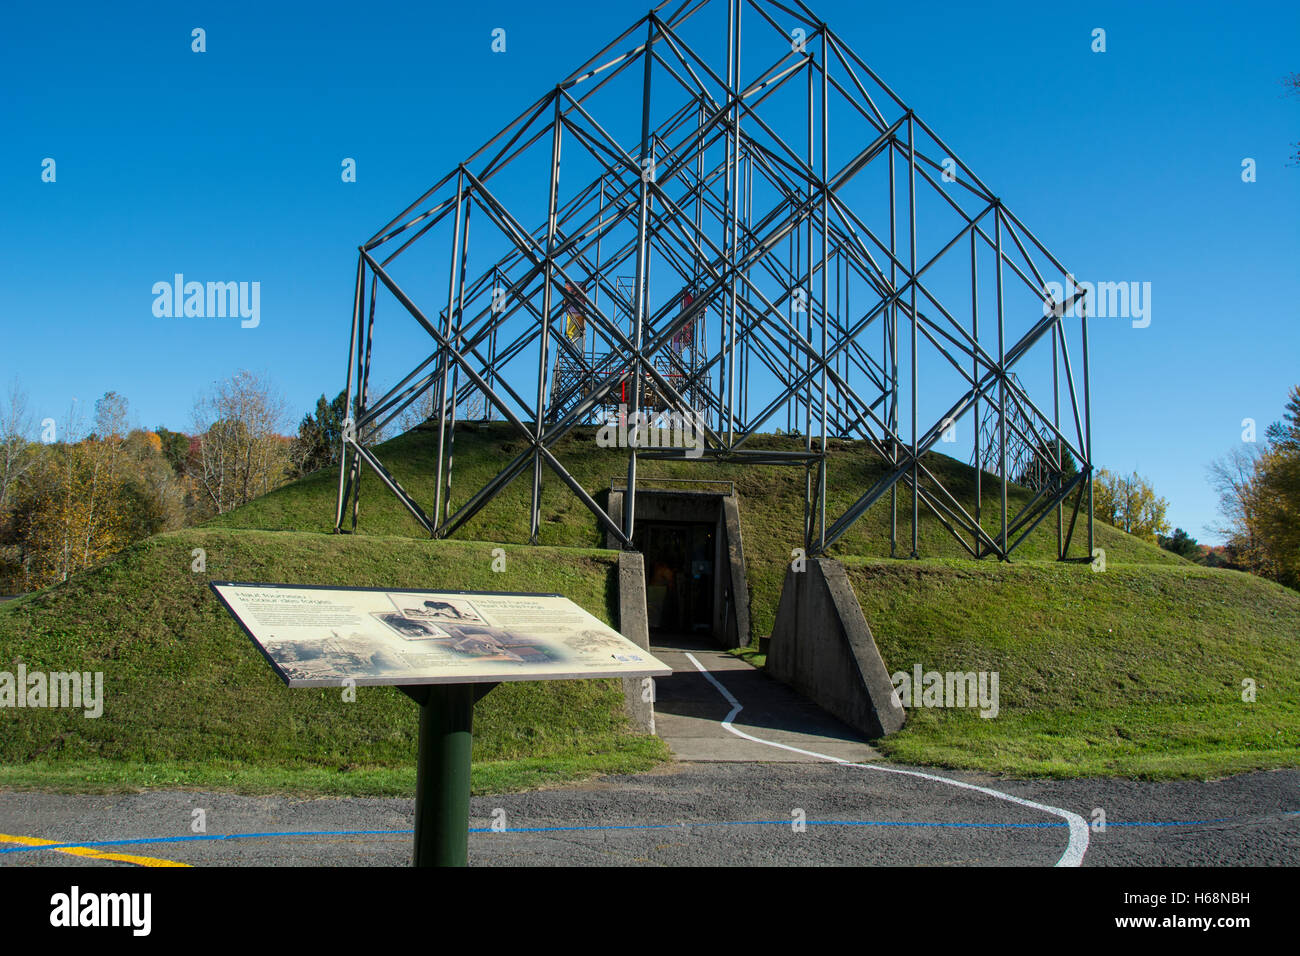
x,y
822,647
734,629
633,623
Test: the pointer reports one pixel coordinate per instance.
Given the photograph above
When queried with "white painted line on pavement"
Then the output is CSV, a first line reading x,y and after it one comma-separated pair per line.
x,y
1075,848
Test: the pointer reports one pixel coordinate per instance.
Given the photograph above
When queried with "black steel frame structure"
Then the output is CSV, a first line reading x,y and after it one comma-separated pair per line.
x,y
779,239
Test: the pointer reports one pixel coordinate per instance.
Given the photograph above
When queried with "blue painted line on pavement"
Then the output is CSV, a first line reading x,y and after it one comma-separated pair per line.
x,y
210,837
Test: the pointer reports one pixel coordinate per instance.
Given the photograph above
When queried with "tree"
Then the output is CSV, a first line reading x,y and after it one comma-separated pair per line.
x,y
240,453
419,411
1234,478
1181,544
1042,466
155,493
1259,500
18,452
175,448
20,456
71,513
1130,503
103,454
1277,503
320,436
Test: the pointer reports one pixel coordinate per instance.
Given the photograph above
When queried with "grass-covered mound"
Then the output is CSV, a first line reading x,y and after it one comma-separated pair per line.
x,y
190,701
1134,671
771,503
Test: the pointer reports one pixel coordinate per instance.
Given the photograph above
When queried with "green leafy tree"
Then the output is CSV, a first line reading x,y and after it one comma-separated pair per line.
x,y
155,492
175,447
320,435
1181,544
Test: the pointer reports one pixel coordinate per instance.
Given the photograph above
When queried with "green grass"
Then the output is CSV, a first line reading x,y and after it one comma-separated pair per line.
x,y
1135,671
630,755
771,503
190,702
750,655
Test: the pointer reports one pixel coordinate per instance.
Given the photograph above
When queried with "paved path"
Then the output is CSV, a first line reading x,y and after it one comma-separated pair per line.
x,y
689,710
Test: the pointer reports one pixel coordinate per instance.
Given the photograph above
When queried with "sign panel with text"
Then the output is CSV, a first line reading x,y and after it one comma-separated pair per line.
x,y
322,636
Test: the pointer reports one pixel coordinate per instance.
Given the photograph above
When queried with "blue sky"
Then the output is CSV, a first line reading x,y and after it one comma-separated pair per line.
x,y
225,165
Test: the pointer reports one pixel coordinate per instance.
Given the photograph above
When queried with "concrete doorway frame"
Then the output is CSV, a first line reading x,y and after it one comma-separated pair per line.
x,y
731,627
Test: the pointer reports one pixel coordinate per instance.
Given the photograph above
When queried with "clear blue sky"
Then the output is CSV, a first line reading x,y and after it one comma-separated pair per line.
x,y
226,165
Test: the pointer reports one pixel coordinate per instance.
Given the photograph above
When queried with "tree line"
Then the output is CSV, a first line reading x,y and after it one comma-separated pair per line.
x,y
76,491
1258,484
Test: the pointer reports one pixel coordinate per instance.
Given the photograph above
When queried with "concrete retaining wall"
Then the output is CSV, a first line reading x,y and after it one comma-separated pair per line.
x,y
822,647
633,623
735,599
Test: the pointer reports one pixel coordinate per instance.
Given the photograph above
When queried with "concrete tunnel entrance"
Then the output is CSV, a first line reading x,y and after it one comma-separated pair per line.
x,y
683,587
694,561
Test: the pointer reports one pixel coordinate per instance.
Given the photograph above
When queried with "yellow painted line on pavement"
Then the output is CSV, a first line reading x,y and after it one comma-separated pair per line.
x,y
89,851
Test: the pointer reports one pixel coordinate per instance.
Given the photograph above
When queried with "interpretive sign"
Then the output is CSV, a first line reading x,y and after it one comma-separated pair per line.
x,y
321,636
444,650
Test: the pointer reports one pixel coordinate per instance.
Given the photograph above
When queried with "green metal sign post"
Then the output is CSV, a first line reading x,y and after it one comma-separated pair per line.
x,y
442,775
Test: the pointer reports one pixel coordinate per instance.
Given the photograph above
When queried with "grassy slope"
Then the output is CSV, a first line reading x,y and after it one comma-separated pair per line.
x,y
1135,671
190,701
771,504
1162,698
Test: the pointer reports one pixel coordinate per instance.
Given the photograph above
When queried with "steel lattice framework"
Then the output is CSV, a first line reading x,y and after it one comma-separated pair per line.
x,y
751,229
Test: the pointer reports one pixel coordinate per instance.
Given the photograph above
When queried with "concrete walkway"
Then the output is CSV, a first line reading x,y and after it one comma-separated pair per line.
x,y
689,711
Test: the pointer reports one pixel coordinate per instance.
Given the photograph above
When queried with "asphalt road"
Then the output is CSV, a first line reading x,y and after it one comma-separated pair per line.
x,y
728,814
783,784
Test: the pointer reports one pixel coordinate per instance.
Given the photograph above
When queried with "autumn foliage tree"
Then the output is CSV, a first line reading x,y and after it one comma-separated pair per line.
x,y
1279,493
20,455
1259,499
240,452
72,512
1130,503
80,494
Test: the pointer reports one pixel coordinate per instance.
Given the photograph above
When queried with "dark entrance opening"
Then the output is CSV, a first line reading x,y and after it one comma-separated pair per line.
x,y
680,562
694,561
